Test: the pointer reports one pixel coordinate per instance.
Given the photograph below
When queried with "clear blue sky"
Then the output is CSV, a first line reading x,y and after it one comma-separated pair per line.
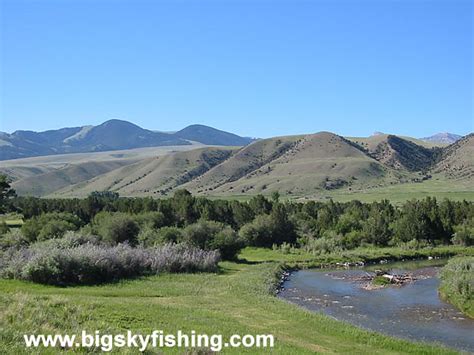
x,y
256,68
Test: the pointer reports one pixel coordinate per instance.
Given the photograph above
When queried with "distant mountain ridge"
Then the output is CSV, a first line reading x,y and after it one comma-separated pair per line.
x,y
445,138
110,135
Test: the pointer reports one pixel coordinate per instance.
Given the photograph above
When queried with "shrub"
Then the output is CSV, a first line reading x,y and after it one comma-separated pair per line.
x,y
3,228
200,234
330,242
353,239
210,235
464,234
258,232
266,230
149,237
228,243
13,239
71,239
414,244
150,219
91,264
50,225
116,228
457,283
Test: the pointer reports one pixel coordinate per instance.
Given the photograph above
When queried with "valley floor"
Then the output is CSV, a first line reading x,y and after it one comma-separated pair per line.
x,y
236,300
440,188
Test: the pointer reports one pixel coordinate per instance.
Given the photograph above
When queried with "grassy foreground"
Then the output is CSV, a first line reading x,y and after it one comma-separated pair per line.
x,y
237,300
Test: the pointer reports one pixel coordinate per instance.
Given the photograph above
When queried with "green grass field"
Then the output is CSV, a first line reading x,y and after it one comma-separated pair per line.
x,y
12,220
236,300
438,187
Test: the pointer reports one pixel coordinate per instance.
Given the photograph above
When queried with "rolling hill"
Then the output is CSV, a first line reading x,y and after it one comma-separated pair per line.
x,y
51,181
457,160
295,165
311,165
399,153
108,136
152,176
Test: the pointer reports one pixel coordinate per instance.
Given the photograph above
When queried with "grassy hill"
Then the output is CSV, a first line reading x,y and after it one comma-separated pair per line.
x,y
316,166
457,160
45,175
399,153
243,162
51,181
297,165
152,176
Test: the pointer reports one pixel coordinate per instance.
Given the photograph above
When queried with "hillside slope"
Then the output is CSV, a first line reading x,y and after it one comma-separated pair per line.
x,y
152,176
298,165
399,153
457,160
53,180
313,165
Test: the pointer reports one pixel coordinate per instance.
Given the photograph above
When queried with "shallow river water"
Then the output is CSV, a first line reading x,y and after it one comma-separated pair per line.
x,y
413,311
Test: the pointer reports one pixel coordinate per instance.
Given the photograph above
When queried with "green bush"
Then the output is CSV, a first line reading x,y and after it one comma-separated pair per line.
x,y
210,235
50,225
150,237
116,228
329,243
464,233
150,219
228,243
258,232
266,230
3,228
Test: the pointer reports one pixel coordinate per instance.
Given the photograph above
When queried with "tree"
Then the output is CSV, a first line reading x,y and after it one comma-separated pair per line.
x,y
183,207
377,228
260,205
275,196
6,193
266,230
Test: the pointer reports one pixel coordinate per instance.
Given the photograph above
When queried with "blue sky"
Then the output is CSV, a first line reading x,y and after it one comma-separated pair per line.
x,y
256,68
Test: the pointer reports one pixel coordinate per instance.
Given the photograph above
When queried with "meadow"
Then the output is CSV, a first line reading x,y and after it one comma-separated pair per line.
x,y
238,299
114,264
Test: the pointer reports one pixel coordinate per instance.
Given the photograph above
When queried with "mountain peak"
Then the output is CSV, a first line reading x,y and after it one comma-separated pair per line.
x,y
443,137
212,136
114,134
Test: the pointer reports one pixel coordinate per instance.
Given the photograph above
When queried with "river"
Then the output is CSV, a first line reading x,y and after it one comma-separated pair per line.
x,y
413,311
